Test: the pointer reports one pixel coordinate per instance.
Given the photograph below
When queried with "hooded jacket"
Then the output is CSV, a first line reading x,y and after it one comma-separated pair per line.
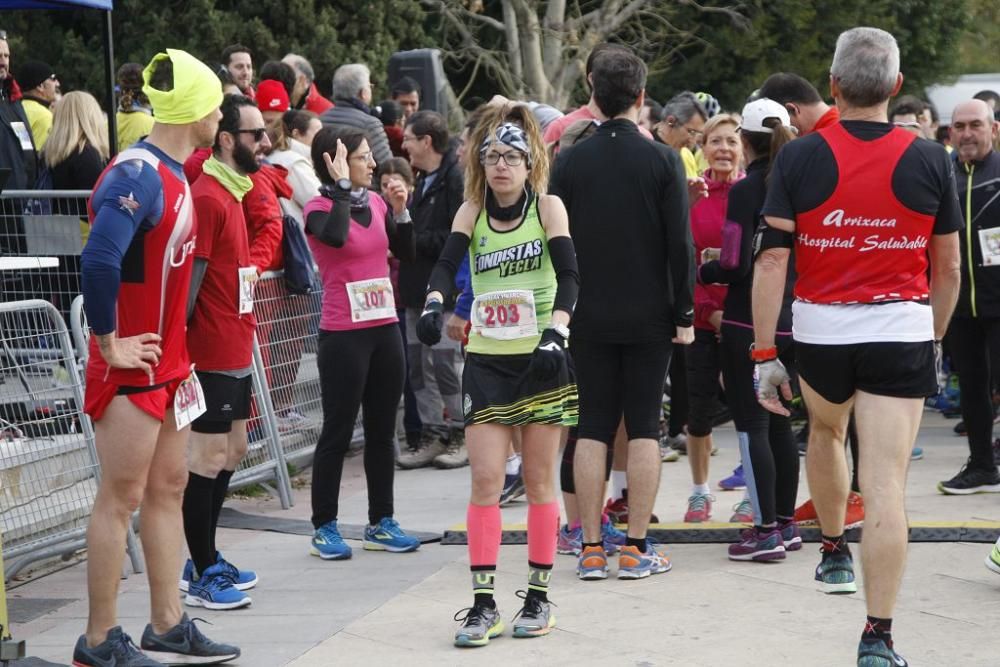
x,y
978,186
707,219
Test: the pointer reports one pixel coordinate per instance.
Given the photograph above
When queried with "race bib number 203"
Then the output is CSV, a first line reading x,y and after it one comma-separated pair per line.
x,y
505,315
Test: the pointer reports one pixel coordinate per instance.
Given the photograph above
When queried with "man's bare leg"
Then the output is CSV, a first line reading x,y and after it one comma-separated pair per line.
x,y
826,462
887,429
126,439
589,465
162,524
643,483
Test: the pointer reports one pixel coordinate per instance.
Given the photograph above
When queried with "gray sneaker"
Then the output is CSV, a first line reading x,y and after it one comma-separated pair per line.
x,y
479,625
429,448
184,644
117,650
456,455
535,618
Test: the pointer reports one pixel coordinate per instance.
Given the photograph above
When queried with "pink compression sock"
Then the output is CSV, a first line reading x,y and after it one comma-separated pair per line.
x,y
543,531
484,527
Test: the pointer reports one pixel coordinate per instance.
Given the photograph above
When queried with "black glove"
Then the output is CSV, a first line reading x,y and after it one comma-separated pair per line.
x,y
430,323
549,357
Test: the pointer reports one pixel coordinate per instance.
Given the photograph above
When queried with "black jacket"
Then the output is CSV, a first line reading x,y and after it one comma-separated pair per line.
x,y
354,114
432,212
23,163
978,186
628,216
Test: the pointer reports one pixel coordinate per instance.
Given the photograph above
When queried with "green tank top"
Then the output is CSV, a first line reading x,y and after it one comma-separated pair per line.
x,y
501,261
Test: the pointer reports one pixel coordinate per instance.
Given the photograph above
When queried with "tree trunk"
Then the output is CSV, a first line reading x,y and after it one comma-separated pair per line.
x,y
535,80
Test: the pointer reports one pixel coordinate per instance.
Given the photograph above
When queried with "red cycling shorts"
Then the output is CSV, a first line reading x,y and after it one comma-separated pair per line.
x,y
153,400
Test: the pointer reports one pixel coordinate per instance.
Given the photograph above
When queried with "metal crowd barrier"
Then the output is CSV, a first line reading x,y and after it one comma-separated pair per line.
x,y
48,464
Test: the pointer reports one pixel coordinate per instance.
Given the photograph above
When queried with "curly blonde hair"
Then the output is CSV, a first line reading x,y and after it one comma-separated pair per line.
x,y
492,118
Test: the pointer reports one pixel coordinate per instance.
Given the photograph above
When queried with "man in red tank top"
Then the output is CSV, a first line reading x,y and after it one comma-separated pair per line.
x,y
136,269
866,205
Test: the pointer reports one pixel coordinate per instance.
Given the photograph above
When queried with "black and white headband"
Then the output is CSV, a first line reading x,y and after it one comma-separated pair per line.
x,y
507,134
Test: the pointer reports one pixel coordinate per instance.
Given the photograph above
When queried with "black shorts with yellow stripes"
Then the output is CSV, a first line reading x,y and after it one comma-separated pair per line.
x,y
499,389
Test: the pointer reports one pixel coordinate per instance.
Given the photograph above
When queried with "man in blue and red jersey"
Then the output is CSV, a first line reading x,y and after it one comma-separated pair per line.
x,y
866,205
220,339
136,270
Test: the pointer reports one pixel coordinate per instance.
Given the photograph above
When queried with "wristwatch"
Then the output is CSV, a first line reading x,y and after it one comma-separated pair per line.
x,y
561,329
344,183
763,354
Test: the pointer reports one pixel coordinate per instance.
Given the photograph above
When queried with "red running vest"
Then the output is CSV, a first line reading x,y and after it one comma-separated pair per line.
x,y
158,304
862,245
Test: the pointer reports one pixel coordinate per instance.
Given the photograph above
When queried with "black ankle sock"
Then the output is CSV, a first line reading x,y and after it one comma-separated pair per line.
x,y
637,542
878,628
197,511
835,545
218,498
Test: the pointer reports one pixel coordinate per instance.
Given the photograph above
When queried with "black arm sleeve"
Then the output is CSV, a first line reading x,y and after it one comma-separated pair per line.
x,y
443,276
680,247
331,228
198,269
401,240
563,256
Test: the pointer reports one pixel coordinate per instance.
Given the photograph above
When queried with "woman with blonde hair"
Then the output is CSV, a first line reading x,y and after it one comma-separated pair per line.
x,y
77,148
525,280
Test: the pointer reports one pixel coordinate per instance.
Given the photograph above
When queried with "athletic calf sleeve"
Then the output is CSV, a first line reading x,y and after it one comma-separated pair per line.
x,y
543,532
198,527
483,524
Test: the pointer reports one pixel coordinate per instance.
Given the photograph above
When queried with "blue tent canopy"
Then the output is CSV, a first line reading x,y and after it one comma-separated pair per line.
x,y
56,4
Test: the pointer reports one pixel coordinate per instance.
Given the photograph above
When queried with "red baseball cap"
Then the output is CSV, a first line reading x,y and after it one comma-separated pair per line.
x,y
272,96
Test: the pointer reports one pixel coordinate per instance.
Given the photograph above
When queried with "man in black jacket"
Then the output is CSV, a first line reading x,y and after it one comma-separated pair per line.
x,y
628,211
435,373
352,93
17,153
974,333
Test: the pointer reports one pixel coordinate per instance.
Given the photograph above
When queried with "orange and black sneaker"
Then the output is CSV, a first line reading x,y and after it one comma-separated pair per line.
x,y
633,564
593,564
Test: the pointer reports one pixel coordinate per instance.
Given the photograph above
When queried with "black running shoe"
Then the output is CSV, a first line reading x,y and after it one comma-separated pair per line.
x,y
960,428
184,644
117,650
876,653
971,480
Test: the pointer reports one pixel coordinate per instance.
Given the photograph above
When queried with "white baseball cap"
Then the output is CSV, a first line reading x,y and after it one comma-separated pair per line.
x,y
756,113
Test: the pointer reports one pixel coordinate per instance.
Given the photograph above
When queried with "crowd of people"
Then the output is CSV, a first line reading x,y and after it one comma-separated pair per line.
x,y
480,282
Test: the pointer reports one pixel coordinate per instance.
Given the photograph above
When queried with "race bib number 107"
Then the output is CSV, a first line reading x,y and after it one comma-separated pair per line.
x,y
505,315
371,300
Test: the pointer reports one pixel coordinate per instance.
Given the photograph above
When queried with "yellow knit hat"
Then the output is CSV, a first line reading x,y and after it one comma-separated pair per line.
x,y
197,90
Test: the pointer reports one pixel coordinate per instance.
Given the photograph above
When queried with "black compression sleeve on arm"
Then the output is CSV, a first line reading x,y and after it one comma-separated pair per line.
x,y
443,276
563,255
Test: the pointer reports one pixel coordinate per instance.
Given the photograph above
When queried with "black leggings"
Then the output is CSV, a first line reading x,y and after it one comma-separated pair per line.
x,y
363,368
678,391
975,349
703,366
767,445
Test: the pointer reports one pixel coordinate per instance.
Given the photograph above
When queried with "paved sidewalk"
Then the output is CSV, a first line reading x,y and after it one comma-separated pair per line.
x,y
382,608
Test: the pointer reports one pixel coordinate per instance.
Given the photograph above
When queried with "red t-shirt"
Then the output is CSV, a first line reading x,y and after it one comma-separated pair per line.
x,y
219,337
556,128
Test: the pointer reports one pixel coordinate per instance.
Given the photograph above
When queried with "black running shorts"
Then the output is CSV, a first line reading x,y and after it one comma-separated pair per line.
x,y
499,389
228,400
836,372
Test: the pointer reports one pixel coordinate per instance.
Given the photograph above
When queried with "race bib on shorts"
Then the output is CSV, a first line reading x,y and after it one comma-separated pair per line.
x,y
371,300
189,401
247,282
505,315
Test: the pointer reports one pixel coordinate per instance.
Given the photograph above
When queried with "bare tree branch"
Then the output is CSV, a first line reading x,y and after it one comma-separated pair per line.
x,y
513,39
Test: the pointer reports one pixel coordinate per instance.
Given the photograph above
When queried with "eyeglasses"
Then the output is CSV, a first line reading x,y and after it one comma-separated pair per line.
x,y
258,133
510,158
363,157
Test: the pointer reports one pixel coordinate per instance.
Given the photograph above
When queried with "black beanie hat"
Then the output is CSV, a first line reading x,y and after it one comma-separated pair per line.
x,y
33,74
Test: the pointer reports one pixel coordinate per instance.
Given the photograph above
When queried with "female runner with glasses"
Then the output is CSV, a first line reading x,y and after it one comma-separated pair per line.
x,y
525,279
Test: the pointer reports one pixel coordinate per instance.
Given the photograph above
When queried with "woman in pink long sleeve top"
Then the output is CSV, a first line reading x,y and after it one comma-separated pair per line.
x,y
724,153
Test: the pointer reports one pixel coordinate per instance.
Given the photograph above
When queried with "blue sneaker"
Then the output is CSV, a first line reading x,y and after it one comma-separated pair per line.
x,y
635,565
117,649
876,653
734,482
328,544
835,573
613,538
917,454
388,536
215,590
570,540
243,580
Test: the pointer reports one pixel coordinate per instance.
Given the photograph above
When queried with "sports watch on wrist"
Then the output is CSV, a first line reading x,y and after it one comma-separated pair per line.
x,y
344,183
763,354
561,329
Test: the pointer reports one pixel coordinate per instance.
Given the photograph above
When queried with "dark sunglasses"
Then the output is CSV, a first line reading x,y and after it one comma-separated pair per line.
x,y
258,133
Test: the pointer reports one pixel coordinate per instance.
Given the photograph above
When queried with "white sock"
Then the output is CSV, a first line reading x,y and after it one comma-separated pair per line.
x,y
700,490
619,482
513,464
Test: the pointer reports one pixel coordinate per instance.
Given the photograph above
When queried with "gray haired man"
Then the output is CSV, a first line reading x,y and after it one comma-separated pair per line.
x,y
352,94
867,207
